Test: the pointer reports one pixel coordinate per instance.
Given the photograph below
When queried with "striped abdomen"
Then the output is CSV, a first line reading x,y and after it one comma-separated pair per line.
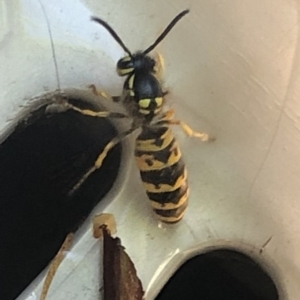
x,y
163,172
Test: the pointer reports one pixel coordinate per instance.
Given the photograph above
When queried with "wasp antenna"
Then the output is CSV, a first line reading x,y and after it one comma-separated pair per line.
x,y
167,30
113,34
52,44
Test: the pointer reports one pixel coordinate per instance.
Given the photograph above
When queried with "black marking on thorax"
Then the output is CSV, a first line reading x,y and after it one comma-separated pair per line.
x,y
145,86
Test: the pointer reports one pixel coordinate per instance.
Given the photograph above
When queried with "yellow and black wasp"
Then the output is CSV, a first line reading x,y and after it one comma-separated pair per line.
x,y
157,153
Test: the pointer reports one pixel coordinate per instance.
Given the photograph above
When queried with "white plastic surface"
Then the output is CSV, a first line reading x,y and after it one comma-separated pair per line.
x,y
232,68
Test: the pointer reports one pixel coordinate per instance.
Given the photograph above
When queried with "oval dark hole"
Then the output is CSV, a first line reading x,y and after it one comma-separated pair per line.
x,y
39,163
220,275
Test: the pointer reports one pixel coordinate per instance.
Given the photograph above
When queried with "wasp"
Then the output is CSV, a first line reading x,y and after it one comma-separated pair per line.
x,y
157,153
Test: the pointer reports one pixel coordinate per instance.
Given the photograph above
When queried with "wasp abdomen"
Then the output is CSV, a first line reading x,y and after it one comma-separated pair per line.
x,y
163,172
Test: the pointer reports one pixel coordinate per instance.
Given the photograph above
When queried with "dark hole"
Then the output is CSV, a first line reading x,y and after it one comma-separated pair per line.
x,y
40,162
220,275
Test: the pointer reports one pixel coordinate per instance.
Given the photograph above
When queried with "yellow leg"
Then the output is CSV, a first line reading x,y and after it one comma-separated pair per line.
x,y
168,115
66,246
103,94
101,157
97,165
203,136
91,113
167,118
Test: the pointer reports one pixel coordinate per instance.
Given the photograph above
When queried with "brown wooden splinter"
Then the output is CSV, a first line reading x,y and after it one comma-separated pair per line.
x,y
119,274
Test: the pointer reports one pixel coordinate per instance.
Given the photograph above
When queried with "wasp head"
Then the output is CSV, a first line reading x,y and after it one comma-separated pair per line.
x,y
137,63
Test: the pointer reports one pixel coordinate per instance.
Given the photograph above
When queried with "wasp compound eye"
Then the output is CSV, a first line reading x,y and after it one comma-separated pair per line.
x,y
125,66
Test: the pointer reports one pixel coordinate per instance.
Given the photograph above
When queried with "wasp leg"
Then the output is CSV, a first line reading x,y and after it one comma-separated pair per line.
x,y
99,114
167,118
66,246
102,156
203,136
103,94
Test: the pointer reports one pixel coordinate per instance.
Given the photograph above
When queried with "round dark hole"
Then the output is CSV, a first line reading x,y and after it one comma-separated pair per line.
x,y
220,275
39,164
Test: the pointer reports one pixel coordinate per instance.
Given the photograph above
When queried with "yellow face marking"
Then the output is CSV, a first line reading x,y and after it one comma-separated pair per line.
x,y
166,187
168,206
144,103
149,145
143,161
126,58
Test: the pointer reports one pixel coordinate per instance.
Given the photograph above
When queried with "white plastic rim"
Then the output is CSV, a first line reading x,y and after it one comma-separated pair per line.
x,y
232,70
174,262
